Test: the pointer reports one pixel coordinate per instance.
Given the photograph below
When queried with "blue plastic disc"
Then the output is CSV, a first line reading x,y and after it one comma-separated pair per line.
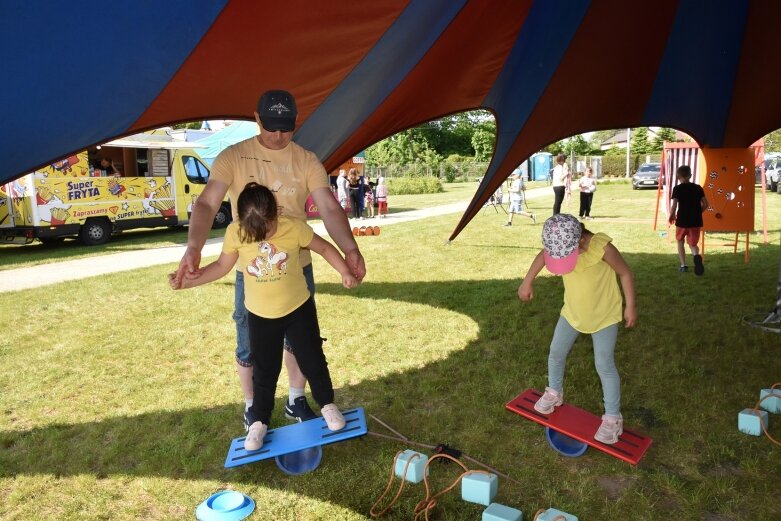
x,y
226,505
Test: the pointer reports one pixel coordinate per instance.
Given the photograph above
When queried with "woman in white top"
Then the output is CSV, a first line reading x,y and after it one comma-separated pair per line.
x,y
560,182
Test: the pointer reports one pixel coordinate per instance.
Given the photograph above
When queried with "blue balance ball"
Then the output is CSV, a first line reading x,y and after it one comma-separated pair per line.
x,y
300,461
563,444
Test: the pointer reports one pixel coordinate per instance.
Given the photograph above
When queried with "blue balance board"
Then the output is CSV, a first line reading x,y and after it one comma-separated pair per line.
x,y
295,437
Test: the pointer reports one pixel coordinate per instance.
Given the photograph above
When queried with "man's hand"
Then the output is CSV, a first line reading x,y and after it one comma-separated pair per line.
x,y
188,267
356,263
671,219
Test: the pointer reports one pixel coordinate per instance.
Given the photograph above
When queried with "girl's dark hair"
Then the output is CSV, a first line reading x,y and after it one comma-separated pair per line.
x,y
257,210
561,159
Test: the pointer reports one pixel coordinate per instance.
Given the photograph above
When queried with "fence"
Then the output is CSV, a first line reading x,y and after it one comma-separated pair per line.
x,y
603,166
467,171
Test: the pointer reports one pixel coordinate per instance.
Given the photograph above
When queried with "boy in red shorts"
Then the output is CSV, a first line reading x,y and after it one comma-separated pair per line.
x,y
686,213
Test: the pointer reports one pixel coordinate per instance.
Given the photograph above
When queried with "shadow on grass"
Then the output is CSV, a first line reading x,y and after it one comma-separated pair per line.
x,y
688,343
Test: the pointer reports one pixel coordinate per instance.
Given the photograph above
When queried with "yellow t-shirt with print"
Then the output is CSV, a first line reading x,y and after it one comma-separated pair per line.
x,y
592,298
292,173
274,283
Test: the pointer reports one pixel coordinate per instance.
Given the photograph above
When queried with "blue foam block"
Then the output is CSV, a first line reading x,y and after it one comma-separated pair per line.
x,y
417,462
477,487
748,421
551,513
772,404
295,437
499,512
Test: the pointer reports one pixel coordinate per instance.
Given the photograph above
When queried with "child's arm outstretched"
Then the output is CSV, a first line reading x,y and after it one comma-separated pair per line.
x,y
213,271
525,290
334,258
613,257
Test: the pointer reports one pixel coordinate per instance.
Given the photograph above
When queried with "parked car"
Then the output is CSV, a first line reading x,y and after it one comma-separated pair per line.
x,y
647,176
772,170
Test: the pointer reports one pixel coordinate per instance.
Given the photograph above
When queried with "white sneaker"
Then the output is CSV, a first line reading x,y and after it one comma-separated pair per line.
x,y
612,427
254,440
333,417
549,400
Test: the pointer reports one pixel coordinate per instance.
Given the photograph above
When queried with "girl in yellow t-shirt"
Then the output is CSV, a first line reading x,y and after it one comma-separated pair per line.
x,y
267,248
588,263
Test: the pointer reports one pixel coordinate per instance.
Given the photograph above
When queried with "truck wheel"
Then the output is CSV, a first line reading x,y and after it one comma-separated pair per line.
x,y
95,231
222,218
773,186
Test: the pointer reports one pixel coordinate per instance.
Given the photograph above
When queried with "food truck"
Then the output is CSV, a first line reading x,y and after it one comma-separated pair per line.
x,y
156,183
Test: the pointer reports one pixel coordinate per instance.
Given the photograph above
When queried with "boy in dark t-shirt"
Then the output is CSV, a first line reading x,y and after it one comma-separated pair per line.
x,y
686,213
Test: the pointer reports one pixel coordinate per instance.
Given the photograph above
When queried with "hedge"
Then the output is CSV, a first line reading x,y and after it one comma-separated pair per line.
x,y
414,185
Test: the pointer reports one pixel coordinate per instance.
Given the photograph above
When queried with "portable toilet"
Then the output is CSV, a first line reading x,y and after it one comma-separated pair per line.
x,y
524,170
596,166
542,162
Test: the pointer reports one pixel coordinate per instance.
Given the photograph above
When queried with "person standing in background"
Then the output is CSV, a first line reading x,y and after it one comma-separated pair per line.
x,y
382,197
354,185
560,182
587,185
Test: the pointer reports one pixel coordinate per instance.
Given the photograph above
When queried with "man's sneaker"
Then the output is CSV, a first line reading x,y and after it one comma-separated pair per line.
x,y
534,218
254,440
333,417
683,269
507,224
699,268
549,401
612,427
300,410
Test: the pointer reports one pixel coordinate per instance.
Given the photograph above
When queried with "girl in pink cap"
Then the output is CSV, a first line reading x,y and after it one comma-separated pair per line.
x,y
588,263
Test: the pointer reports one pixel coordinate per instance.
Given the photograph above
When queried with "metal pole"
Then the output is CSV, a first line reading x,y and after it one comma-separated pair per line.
x,y
628,142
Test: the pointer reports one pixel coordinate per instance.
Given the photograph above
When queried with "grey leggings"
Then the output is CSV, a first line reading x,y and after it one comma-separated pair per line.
x,y
604,340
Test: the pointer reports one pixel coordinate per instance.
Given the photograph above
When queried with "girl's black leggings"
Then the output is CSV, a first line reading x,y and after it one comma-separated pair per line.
x,y
558,198
266,336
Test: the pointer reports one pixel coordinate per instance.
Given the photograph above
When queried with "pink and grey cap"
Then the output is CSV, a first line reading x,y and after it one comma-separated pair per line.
x,y
560,240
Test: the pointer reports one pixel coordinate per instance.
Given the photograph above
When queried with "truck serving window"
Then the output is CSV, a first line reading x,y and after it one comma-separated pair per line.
x,y
195,170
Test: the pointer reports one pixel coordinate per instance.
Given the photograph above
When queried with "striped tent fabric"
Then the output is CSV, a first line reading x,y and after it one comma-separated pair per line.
x,y
546,69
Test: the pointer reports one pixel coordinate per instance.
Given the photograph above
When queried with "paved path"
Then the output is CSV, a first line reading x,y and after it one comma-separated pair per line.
x,y
52,273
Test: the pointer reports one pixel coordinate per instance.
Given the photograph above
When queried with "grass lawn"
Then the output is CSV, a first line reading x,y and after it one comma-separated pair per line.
x,y
119,397
17,255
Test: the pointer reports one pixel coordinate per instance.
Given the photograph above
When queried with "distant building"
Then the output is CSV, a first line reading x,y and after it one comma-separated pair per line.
x,y
619,140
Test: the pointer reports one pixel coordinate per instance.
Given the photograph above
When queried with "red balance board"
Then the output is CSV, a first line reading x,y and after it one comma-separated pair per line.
x,y
581,425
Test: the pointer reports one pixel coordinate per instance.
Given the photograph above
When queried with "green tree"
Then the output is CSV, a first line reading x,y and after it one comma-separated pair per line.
x,y
665,134
430,142
190,125
579,145
773,141
615,151
576,144
483,144
600,136
639,141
